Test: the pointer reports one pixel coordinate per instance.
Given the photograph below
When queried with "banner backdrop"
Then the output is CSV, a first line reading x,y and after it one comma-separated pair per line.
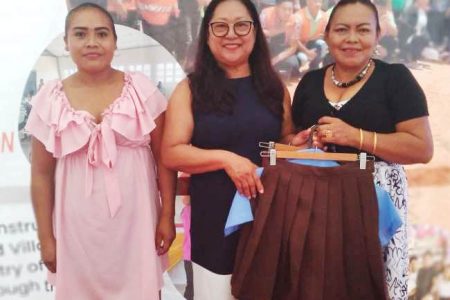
x,y
32,53
26,28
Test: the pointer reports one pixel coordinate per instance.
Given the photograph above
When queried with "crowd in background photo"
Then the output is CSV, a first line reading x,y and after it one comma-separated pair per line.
x,y
429,267
412,31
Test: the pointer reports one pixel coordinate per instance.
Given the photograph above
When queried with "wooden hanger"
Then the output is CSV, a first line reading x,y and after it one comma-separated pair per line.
x,y
277,150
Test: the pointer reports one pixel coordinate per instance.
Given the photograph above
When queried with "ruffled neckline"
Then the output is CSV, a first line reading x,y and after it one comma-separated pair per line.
x,y
63,129
127,80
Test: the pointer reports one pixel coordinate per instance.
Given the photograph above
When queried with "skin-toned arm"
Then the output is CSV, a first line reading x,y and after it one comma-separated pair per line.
x,y
287,127
387,23
299,139
269,31
179,154
285,54
295,26
392,27
411,143
288,135
165,233
291,33
42,195
310,53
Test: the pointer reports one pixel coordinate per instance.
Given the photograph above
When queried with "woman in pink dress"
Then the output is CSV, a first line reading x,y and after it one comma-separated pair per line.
x,y
104,204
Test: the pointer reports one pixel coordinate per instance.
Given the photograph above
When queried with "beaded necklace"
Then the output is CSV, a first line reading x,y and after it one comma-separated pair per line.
x,y
358,77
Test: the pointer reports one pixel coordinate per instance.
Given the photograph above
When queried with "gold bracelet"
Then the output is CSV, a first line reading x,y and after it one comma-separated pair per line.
x,y
361,139
374,142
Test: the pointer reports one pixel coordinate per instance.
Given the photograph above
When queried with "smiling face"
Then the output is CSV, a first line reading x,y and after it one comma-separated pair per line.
x,y
231,51
90,40
352,35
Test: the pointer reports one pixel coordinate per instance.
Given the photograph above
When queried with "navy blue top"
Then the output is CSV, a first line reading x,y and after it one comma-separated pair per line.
x,y
212,192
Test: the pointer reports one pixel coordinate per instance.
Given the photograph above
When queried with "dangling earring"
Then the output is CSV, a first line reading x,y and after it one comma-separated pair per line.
x,y
376,52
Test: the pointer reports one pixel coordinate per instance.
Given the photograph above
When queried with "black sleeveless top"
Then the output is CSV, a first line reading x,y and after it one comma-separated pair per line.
x,y
212,192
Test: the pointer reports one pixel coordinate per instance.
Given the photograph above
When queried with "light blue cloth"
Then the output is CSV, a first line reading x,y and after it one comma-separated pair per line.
x,y
240,211
388,218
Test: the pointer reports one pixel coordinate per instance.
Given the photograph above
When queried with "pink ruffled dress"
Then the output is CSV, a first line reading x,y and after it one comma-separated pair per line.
x,y
106,195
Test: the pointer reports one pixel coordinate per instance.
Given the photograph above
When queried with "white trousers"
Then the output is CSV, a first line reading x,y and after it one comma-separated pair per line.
x,y
209,285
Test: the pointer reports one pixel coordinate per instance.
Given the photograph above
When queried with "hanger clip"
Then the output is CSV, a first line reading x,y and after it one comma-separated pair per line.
x,y
362,160
272,157
264,153
267,145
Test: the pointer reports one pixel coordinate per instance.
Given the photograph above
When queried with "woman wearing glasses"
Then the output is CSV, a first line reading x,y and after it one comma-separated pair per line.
x,y
232,100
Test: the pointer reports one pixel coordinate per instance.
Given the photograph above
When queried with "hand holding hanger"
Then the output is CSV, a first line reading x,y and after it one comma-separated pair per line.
x,y
335,131
307,139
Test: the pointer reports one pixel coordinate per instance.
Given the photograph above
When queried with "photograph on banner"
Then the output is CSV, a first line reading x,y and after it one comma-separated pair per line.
x,y
413,32
429,266
295,29
22,273
135,52
174,24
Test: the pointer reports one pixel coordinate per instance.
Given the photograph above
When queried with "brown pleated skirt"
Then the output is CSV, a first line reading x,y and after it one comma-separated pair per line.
x,y
314,237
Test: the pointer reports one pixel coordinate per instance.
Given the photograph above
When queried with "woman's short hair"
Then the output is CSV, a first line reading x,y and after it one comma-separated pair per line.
x,y
343,3
84,6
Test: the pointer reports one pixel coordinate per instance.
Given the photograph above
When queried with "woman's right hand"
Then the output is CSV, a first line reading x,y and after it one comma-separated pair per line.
x,y
243,173
306,138
48,253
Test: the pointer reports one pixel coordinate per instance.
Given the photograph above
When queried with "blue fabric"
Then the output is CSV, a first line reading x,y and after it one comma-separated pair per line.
x,y
388,218
240,211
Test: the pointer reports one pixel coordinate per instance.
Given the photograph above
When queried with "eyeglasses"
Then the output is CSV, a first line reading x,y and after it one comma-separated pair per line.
x,y
221,29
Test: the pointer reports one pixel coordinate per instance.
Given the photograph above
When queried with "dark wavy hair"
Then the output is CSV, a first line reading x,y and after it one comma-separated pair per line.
x,y
84,6
342,3
212,92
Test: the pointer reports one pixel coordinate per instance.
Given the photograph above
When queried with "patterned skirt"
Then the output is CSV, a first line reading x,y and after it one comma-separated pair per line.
x,y
392,178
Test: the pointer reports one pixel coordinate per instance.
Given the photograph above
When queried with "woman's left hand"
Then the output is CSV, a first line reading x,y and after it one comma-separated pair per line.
x,y
335,131
165,234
